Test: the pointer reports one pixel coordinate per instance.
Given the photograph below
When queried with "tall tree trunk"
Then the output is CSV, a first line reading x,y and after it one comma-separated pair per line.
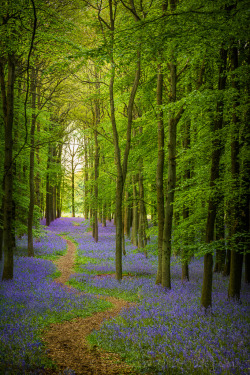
x,y
59,182
246,168
97,157
187,174
206,296
8,112
54,200
86,178
38,188
220,237
246,182
1,230
159,172
168,218
127,215
104,214
247,268
123,237
121,167
52,186
32,160
48,187
226,271
135,221
142,240
95,218
236,209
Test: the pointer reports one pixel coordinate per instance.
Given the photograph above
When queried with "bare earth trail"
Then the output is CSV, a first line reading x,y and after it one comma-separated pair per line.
x,y
66,342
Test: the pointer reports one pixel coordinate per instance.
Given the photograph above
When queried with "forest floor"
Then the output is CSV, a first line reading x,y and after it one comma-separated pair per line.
x,y
66,342
64,312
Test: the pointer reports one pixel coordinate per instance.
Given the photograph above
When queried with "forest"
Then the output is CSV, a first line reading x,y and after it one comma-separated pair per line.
x,y
125,182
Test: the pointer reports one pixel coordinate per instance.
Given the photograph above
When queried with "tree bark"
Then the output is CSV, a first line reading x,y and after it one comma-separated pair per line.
x,y
48,213
1,230
142,239
86,178
167,232
97,121
235,212
104,214
8,111
135,221
159,172
121,167
187,174
220,237
206,296
226,271
32,160
127,215
38,188
59,182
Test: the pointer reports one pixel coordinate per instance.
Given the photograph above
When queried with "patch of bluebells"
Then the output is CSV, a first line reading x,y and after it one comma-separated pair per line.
x,y
48,244
167,332
73,226
103,252
29,302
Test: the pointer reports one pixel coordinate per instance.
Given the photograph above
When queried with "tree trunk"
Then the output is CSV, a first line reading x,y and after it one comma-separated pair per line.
x,y
236,203
247,218
226,271
118,223
206,296
1,231
135,222
8,112
32,160
187,174
142,239
220,237
97,121
86,178
123,236
246,182
38,187
159,172
121,167
104,214
167,232
59,183
247,268
96,187
53,186
48,188
127,215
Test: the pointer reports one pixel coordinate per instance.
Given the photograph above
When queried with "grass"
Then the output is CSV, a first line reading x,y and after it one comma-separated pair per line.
x,y
117,293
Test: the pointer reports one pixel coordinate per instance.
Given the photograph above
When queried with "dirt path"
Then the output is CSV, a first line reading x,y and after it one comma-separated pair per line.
x,y
66,342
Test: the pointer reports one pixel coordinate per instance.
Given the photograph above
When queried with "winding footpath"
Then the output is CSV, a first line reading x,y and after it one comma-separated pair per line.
x,y
66,342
